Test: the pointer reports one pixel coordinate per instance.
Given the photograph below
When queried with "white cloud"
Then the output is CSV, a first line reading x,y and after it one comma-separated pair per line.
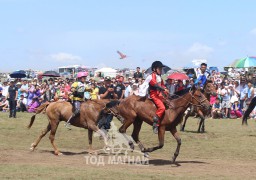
x,y
65,57
198,48
253,31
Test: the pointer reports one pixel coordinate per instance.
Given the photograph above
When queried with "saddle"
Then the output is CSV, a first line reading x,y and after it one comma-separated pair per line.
x,y
166,100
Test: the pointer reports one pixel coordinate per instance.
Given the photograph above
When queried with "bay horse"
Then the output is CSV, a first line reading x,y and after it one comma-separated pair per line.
x,y
56,112
135,109
208,90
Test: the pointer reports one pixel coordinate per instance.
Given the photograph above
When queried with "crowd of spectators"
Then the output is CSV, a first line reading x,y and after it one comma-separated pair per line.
x,y
234,91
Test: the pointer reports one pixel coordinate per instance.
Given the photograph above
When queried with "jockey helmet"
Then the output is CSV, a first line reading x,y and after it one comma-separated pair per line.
x,y
156,64
82,74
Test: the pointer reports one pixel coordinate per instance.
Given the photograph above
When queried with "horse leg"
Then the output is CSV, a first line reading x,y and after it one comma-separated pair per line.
x,y
54,127
135,135
178,139
161,133
201,124
90,150
122,130
43,133
93,127
185,121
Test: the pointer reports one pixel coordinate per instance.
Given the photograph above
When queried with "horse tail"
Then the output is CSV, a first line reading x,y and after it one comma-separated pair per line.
x,y
38,111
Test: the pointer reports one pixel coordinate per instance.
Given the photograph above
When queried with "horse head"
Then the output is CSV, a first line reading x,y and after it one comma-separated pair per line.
x,y
209,88
198,98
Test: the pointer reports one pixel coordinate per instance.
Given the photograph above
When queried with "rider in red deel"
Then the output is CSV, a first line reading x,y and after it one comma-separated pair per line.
x,y
156,87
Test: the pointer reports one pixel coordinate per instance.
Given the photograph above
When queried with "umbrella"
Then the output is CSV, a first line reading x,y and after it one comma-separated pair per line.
x,y
18,74
51,74
244,62
178,76
165,69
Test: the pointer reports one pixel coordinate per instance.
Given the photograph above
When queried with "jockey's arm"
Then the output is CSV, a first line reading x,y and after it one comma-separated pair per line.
x,y
154,83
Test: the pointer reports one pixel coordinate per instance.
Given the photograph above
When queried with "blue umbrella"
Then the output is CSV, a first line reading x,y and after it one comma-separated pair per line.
x,y
18,74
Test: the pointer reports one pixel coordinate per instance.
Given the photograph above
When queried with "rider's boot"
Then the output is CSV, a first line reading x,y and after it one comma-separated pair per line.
x,y
155,124
73,116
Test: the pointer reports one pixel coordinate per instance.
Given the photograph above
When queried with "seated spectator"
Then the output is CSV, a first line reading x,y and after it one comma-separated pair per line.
x,y
21,103
33,105
216,109
4,104
235,110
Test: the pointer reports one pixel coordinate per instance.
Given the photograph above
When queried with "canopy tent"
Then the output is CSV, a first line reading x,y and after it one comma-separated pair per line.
x,y
103,72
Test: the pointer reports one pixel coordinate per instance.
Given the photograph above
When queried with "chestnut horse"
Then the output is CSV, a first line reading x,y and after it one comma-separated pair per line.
x,y
135,110
208,90
56,112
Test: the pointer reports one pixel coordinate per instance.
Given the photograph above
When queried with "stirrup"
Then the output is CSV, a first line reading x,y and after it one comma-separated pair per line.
x,y
67,125
155,128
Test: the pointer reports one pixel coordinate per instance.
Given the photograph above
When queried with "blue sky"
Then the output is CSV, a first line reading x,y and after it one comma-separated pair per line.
x,y
45,34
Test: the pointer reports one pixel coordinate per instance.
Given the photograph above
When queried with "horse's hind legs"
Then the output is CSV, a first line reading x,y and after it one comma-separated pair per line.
x,y
43,133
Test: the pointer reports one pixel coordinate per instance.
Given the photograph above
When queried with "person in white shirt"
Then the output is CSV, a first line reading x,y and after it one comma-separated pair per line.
x,y
5,89
24,89
225,93
128,89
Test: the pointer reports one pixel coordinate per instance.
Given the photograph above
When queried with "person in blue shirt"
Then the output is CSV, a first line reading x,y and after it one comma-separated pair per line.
x,y
202,74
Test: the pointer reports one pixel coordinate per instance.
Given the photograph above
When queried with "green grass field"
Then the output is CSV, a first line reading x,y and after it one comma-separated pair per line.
x,y
226,151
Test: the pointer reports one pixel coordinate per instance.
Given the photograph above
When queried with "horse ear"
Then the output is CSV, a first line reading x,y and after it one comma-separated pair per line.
x,y
193,88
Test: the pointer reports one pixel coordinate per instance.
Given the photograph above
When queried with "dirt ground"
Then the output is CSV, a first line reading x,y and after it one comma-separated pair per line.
x,y
225,151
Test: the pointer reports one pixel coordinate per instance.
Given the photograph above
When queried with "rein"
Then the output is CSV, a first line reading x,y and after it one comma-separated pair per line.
x,y
189,101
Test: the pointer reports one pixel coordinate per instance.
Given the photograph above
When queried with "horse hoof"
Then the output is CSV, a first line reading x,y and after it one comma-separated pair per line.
x,y
58,153
146,155
107,148
32,148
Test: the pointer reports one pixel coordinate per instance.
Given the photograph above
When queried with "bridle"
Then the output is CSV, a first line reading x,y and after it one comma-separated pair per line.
x,y
189,101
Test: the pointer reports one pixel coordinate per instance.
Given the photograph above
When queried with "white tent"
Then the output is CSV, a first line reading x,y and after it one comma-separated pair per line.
x,y
106,72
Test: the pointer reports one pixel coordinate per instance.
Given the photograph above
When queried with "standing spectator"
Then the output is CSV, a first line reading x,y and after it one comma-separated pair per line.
x,y
1,91
202,74
250,93
12,97
94,91
107,92
31,92
243,92
137,74
180,86
170,86
5,88
18,84
225,93
120,88
128,89
24,89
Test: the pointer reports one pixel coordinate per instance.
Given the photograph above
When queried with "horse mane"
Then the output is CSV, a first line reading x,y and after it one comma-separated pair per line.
x,y
112,104
182,92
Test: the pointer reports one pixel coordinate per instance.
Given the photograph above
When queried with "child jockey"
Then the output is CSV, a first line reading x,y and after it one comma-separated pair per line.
x,y
156,86
77,88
